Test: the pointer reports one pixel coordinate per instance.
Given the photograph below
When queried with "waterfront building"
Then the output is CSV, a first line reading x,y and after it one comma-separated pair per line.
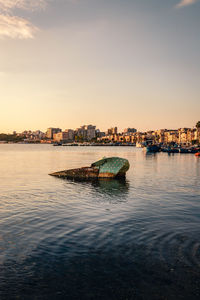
x,y
51,131
38,134
112,130
159,135
64,136
91,132
130,130
185,136
81,132
197,135
99,133
60,136
30,136
172,137
70,133
86,132
191,135
182,136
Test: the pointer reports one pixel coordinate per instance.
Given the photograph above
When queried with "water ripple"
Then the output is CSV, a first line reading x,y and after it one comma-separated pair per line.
x,y
134,239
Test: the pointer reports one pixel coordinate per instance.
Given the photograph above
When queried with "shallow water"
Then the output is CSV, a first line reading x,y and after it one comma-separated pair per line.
x,y
132,239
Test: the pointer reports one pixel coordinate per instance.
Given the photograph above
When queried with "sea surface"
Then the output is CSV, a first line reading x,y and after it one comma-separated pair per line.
x,y
132,239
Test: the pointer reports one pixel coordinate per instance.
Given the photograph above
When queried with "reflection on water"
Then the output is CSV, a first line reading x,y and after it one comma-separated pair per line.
x,y
150,155
137,238
112,187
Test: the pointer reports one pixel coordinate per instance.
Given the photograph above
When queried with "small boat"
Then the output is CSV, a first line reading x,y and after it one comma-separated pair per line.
x,y
170,150
151,148
184,150
197,154
110,167
57,144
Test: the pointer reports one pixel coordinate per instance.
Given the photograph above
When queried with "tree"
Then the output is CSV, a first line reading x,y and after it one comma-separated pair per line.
x,y
198,124
198,131
11,138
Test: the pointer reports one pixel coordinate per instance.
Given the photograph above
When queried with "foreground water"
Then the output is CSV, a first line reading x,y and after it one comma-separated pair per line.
x,y
138,239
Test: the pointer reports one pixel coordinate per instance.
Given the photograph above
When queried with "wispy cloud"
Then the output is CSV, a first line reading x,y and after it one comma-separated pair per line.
x,y
183,3
7,5
14,26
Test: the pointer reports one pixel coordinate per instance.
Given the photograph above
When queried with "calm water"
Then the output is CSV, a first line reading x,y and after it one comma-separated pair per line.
x,y
138,239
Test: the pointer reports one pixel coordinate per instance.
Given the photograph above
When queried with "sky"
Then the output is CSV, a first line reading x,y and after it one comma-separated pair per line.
x,y
125,63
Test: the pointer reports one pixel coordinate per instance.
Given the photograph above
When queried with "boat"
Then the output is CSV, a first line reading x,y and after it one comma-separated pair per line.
x,y
184,150
56,144
151,148
108,167
193,150
170,150
173,150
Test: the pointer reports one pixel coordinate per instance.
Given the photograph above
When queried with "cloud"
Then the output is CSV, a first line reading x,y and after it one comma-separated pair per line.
x,y
8,5
16,27
183,3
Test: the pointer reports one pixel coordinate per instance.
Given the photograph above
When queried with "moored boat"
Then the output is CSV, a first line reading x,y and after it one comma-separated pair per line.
x,y
184,150
57,144
111,167
170,150
151,148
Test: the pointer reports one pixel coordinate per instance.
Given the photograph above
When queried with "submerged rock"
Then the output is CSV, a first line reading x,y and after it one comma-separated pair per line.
x,y
111,167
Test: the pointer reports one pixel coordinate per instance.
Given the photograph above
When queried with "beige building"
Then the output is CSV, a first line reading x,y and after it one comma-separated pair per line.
x,y
197,135
70,133
60,136
51,131
91,132
64,136
186,135
172,136
159,135
86,132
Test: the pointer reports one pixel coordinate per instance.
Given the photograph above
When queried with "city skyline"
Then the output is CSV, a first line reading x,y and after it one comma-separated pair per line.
x,y
113,128
130,63
93,135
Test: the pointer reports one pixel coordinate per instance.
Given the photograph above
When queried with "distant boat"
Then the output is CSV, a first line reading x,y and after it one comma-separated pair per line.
x,y
173,150
57,144
170,150
68,144
184,150
151,148
110,167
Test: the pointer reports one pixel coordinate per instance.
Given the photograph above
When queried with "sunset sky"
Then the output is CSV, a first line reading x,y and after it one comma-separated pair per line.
x,y
130,63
